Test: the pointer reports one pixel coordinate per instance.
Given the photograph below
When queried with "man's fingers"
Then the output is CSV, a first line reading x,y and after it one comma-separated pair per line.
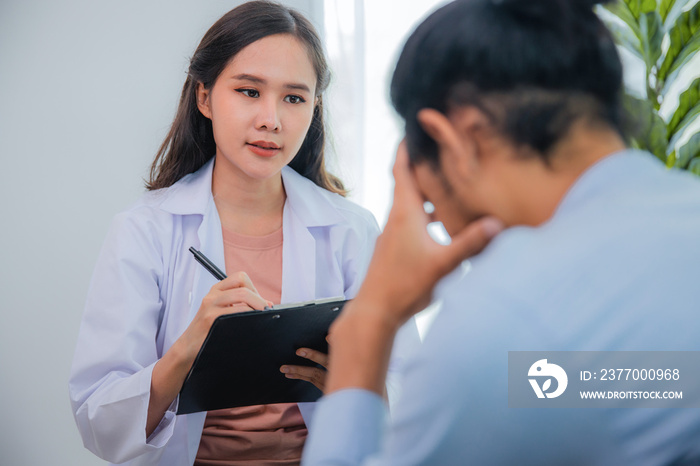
x,y
402,165
404,182
472,240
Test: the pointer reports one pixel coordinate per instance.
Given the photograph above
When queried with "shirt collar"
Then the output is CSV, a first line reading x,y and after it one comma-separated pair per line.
x,y
608,175
191,195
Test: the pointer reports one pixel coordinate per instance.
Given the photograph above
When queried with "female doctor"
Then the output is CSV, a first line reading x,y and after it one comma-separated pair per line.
x,y
241,177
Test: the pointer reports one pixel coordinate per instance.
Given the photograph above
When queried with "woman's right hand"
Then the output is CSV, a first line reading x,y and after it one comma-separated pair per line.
x,y
233,294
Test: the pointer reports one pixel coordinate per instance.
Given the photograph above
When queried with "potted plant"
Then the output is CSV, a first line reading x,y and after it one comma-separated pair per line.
x,y
665,36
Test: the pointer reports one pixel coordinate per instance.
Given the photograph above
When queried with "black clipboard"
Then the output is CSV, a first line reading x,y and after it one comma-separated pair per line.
x,y
238,363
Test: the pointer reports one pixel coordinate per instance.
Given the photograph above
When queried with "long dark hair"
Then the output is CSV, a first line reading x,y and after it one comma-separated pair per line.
x,y
533,66
190,141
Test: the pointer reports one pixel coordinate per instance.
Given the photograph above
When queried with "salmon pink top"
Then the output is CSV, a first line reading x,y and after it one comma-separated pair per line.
x,y
266,434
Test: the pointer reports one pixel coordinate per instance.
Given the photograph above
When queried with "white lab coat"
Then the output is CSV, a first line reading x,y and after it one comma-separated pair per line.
x,y
147,288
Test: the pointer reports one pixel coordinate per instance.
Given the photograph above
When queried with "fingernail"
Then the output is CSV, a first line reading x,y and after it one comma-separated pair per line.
x,y
301,353
284,369
492,226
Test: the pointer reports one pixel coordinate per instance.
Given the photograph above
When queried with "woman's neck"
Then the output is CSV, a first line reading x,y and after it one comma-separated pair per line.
x,y
248,206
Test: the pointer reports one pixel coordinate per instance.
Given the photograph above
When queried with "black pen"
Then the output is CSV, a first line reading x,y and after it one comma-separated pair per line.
x,y
207,264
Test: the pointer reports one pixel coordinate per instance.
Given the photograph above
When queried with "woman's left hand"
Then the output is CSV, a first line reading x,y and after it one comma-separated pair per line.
x,y
315,375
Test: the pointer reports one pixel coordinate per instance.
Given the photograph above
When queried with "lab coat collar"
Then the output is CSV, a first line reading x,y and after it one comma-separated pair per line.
x,y
311,204
192,195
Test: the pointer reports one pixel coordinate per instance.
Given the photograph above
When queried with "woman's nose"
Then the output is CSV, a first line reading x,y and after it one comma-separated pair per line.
x,y
268,117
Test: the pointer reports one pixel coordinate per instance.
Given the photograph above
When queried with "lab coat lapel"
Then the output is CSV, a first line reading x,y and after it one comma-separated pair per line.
x,y
298,259
192,196
211,244
306,211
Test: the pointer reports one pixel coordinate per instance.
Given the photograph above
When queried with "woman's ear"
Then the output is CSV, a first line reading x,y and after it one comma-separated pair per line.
x,y
203,102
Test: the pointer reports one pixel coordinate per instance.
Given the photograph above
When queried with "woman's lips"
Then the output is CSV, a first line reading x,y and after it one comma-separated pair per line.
x,y
263,148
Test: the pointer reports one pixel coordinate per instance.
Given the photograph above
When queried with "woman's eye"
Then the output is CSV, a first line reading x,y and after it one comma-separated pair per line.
x,y
249,92
294,99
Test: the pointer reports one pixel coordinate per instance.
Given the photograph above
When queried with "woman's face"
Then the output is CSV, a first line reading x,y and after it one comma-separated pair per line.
x,y
261,106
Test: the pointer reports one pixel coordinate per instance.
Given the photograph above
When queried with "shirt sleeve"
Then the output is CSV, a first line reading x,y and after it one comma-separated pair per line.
x,y
348,428
116,350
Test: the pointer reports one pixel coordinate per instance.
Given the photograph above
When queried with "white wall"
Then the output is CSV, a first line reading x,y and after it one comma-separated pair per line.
x,y
87,92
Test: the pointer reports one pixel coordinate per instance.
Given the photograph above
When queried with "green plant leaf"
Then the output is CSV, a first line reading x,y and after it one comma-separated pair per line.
x,y
640,28
681,67
688,106
676,8
692,115
651,27
622,11
640,7
681,62
634,7
694,166
684,38
665,8
625,37
648,6
681,130
689,151
671,160
644,128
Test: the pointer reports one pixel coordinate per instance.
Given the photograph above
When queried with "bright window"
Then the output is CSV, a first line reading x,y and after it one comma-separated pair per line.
x,y
363,39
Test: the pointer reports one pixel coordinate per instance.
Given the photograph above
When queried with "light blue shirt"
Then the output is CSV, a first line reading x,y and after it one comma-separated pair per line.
x,y
616,268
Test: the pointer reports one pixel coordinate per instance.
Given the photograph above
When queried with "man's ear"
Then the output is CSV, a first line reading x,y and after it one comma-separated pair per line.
x,y
203,102
437,126
457,153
